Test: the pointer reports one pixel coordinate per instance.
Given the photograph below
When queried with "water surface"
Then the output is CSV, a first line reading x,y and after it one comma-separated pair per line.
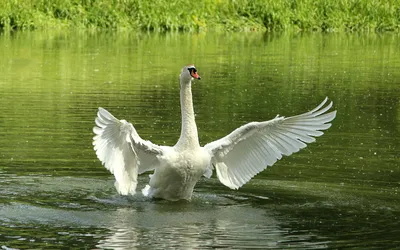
x,y
342,191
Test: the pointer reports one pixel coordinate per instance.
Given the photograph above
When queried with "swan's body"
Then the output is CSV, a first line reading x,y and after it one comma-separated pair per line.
x,y
236,157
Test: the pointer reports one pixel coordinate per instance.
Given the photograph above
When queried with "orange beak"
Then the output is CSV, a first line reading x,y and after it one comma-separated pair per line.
x,y
195,75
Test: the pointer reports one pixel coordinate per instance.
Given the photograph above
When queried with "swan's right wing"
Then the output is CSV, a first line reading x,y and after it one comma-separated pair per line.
x,y
249,149
121,150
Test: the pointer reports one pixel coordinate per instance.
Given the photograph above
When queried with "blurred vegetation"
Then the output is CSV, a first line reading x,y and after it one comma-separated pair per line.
x,y
183,15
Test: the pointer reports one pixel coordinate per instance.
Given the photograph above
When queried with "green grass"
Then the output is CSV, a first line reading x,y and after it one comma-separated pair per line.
x,y
181,15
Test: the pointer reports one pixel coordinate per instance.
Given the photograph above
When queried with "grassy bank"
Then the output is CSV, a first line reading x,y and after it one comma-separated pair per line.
x,y
233,15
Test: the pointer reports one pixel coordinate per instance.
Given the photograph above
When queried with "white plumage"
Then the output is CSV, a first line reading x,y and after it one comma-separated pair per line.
x,y
236,157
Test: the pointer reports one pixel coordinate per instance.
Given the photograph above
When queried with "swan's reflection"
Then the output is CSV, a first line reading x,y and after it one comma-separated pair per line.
x,y
194,226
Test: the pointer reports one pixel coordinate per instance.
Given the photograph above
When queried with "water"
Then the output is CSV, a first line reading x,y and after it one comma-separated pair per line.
x,y
342,191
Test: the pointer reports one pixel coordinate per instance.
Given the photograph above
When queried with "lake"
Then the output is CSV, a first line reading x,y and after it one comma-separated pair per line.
x,y
341,191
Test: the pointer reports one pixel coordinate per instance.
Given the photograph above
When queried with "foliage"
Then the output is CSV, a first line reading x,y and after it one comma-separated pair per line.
x,y
183,15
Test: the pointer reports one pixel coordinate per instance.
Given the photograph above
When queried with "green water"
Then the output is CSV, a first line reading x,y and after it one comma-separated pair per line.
x,y
342,191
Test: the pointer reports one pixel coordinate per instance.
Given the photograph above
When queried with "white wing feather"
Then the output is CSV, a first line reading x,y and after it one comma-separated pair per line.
x,y
121,150
253,147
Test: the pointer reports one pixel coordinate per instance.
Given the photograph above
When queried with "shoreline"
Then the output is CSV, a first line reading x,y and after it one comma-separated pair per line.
x,y
204,15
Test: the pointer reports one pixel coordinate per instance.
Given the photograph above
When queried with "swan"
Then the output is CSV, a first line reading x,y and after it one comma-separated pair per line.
x,y
236,158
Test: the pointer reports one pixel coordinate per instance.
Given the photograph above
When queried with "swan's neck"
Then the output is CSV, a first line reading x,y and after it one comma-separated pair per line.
x,y
189,137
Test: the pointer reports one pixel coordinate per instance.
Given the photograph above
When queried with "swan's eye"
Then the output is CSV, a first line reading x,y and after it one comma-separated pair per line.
x,y
193,73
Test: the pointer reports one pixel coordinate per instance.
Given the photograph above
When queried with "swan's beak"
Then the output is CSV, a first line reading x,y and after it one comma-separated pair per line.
x,y
195,75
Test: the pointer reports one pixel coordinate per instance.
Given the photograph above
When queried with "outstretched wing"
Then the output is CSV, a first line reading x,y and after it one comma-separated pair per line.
x,y
253,147
121,150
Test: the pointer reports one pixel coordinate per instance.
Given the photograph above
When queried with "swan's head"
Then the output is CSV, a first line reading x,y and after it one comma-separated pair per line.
x,y
188,73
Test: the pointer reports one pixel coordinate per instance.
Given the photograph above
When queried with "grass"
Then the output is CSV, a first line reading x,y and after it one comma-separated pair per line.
x,y
183,15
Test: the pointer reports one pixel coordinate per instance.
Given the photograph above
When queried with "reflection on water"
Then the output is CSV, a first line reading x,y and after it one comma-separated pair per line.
x,y
194,229
210,220
342,191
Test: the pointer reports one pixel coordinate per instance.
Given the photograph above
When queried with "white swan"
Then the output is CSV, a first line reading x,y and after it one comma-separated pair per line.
x,y
236,157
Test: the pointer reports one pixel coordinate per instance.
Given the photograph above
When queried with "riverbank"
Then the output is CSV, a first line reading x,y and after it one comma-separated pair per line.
x,y
181,15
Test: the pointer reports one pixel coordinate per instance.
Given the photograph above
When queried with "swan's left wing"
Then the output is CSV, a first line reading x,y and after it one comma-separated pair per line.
x,y
253,147
121,150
